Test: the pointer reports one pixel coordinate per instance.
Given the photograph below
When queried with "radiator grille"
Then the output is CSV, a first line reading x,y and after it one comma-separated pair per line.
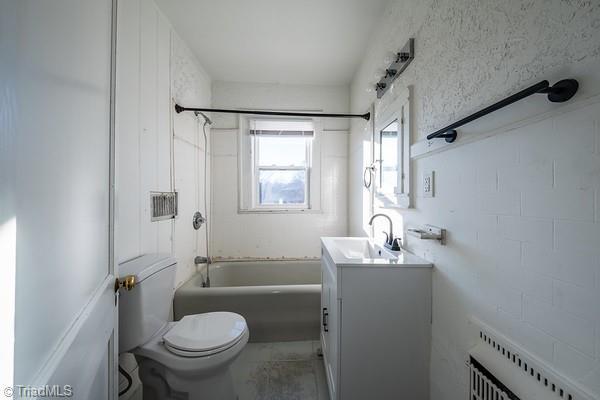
x,y
534,371
485,386
528,377
163,205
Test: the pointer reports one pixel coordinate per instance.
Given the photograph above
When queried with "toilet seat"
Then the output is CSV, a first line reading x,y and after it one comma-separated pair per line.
x,y
206,334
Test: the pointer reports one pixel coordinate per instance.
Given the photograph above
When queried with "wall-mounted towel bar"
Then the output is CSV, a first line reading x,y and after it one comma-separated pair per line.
x,y
559,92
365,116
429,232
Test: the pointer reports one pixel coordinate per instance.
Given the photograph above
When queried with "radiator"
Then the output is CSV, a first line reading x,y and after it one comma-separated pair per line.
x,y
499,369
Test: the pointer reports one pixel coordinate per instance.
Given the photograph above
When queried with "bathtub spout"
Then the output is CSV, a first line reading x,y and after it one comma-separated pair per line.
x,y
200,260
205,282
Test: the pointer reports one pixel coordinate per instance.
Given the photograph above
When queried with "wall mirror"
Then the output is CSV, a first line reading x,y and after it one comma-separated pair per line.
x,y
391,156
388,158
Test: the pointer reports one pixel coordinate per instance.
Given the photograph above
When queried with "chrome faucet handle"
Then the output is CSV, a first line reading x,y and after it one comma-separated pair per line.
x,y
394,245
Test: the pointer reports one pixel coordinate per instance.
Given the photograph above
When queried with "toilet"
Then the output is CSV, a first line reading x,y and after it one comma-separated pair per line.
x,y
185,359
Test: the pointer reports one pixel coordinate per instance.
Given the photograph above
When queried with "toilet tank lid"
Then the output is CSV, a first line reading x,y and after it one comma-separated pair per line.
x,y
146,265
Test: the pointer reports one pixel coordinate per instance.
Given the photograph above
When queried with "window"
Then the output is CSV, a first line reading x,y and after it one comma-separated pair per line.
x,y
281,169
280,154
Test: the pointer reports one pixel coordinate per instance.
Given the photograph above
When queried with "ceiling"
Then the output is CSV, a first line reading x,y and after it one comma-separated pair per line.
x,y
317,42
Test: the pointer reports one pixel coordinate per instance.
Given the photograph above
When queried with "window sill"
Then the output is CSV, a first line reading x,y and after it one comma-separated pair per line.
x,y
279,211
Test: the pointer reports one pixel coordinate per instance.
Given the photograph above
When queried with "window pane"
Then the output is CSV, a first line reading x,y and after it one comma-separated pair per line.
x,y
282,151
282,187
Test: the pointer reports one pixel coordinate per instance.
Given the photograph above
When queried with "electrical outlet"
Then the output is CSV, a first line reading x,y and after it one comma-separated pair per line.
x,y
428,184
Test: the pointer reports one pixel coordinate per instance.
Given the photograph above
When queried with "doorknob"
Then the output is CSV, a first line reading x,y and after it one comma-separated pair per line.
x,y
128,282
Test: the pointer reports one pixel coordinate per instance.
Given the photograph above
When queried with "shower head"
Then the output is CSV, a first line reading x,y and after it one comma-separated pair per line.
x,y
206,119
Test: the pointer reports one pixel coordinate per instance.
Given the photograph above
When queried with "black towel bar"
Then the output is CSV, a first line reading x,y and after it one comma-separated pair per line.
x,y
559,92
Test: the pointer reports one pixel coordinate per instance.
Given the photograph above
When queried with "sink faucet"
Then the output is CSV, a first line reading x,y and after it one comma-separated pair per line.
x,y
390,242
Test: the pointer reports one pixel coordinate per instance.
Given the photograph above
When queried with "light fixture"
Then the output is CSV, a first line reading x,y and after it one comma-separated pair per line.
x,y
395,63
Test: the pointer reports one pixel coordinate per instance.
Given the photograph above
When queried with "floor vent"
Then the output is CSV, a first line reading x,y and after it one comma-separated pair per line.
x,y
500,369
163,205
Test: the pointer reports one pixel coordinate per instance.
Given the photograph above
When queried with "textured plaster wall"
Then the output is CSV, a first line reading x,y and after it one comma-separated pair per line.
x,y
472,52
521,207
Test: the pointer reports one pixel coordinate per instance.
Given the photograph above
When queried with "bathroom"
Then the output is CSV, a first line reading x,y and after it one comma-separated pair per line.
x,y
387,199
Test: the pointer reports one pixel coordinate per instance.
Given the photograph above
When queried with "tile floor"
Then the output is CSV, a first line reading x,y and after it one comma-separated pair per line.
x,y
280,371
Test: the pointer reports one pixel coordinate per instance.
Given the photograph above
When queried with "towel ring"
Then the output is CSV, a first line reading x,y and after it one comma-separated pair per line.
x,y
368,173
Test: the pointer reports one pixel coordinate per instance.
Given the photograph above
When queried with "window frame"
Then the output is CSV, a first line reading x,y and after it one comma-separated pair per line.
x,y
248,189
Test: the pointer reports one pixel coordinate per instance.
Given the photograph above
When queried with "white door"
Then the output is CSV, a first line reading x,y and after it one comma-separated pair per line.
x,y
57,195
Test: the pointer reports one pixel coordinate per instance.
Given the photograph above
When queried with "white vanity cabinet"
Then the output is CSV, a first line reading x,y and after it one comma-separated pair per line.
x,y
375,324
330,326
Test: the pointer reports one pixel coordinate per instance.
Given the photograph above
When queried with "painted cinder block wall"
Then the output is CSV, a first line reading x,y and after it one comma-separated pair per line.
x,y
521,203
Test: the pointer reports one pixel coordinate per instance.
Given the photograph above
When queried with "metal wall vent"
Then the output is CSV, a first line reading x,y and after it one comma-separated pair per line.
x,y
163,205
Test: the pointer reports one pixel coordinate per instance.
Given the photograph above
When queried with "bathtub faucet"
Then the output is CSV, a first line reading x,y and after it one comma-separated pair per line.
x,y
390,242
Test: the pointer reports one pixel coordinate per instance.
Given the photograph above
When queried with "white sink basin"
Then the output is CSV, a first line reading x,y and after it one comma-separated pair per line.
x,y
362,248
360,251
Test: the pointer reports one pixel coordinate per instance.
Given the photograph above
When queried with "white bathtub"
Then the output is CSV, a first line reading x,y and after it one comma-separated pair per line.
x,y
279,299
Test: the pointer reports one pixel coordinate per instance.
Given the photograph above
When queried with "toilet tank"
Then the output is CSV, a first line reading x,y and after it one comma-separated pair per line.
x,y
145,309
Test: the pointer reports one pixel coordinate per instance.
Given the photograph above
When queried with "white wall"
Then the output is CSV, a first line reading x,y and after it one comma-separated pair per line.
x,y
521,206
157,149
55,131
277,235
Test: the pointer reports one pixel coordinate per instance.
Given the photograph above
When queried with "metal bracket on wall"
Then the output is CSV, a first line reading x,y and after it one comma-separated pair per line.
x,y
402,60
429,232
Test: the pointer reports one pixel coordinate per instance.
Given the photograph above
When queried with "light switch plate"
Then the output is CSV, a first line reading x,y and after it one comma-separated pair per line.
x,y
428,184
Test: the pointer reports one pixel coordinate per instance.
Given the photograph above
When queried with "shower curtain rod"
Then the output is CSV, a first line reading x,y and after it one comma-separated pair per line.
x,y
365,116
